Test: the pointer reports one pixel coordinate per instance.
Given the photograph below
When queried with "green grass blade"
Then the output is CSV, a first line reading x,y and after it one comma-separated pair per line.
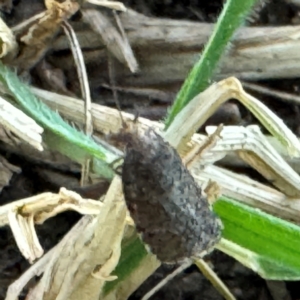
x,y
63,135
265,266
132,254
77,153
275,243
231,18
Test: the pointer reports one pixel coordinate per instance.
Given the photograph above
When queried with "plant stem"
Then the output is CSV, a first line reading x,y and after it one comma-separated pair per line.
x,y
231,18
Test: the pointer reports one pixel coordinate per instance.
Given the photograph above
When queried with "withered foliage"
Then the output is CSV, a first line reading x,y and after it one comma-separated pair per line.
x,y
35,35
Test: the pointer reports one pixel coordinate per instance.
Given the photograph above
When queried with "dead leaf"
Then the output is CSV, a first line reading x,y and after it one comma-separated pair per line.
x,y
116,44
35,36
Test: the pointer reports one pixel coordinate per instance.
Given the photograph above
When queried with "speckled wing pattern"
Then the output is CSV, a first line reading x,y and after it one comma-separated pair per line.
x,y
164,200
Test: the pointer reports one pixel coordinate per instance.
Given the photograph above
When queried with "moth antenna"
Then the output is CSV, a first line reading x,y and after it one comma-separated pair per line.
x,y
112,82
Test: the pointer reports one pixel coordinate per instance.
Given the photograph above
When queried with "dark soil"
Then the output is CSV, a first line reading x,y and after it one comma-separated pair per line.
x,y
191,284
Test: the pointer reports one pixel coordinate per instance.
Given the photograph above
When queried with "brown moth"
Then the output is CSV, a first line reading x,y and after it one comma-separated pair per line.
x,y
165,202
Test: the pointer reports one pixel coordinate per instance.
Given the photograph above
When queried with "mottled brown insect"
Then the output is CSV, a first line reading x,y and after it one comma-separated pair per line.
x,y
164,200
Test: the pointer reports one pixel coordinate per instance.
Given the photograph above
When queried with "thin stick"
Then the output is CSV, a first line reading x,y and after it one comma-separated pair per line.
x,y
82,74
109,4
214,279
85,89
268,91
184,266
28,22
131,63
111,74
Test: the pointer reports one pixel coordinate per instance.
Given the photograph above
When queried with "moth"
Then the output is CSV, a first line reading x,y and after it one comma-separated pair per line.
x,y
165,202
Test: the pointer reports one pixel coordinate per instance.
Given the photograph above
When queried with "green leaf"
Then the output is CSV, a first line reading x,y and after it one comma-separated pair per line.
x,y
231,18
274,243
133,252
60,134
